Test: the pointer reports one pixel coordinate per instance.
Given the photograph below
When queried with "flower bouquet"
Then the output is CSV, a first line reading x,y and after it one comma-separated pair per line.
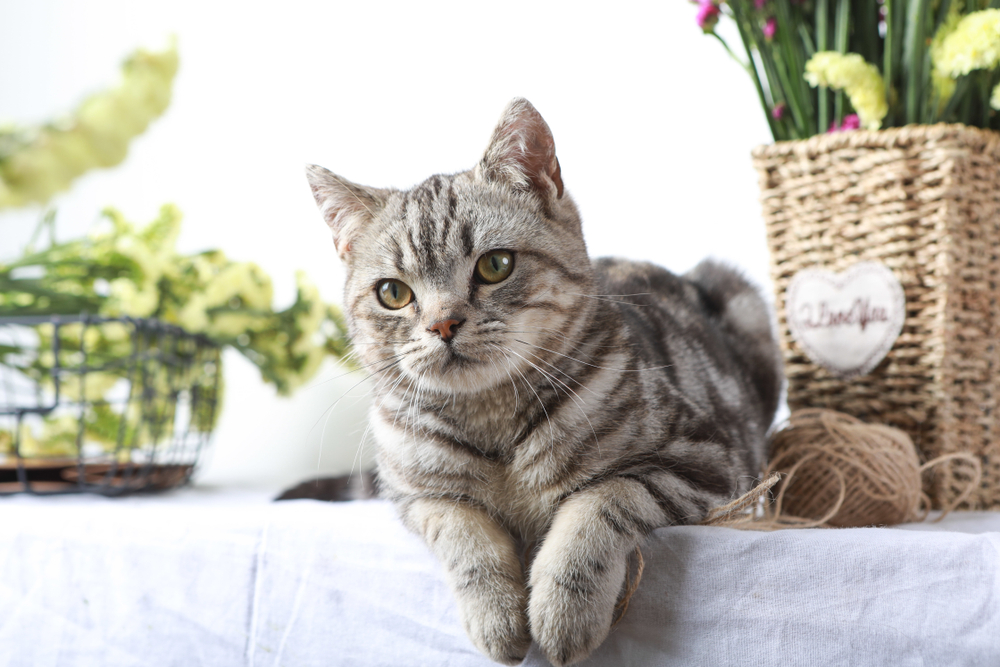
x,y
884,114
829,65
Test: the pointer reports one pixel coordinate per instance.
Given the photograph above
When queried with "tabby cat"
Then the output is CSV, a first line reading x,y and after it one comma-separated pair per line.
x,y
527,395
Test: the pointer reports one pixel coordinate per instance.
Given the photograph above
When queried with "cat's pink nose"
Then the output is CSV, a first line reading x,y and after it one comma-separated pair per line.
x,y
445,328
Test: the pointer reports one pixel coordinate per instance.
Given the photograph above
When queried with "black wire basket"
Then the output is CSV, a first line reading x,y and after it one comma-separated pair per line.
x,y
103,405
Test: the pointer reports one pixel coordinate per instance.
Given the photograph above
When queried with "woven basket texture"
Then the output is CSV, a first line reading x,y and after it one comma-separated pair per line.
x,y
924,201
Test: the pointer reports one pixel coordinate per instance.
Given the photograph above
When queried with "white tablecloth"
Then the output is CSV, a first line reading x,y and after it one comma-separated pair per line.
x,y
202,577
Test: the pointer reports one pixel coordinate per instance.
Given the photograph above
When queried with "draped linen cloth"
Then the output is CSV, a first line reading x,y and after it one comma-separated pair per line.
x,y
221,577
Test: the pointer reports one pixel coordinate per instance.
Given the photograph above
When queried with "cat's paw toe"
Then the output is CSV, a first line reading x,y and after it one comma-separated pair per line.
x,y
499,631
566,625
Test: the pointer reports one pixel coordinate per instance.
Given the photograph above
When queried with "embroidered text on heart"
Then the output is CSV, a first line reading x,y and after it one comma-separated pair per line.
x,y
861,312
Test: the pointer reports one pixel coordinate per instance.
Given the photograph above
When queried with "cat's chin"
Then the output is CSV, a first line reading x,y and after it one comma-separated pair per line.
x,y
459,374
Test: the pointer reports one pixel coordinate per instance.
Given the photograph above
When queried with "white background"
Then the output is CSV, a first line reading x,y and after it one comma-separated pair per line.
x,y
653,126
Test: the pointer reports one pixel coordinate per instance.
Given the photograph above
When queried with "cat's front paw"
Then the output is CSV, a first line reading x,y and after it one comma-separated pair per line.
x,y
571,608
498,625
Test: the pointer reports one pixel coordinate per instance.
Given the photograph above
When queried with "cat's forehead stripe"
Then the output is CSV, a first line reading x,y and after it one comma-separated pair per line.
x,y
446,223
397,255
427,242
424,224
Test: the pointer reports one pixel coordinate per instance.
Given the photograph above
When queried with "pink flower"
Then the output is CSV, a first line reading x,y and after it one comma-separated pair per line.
x,y
778,110
851,122
759,4
770,27
708,16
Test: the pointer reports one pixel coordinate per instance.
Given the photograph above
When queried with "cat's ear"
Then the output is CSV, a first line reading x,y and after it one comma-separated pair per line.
x,y
345,206
522,152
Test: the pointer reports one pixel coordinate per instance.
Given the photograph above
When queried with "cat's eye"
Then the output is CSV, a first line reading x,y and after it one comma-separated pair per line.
x,y
495,266
393,294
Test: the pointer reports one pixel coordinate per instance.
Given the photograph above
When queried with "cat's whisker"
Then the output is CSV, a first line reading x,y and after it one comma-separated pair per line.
x,y
606,368
417,398
327,414
399,407
513,384
576,343
575,397
364,436
542,372
574,346
540,402
611,295
385,342
355,386
360,368
607,298
562,372
409,406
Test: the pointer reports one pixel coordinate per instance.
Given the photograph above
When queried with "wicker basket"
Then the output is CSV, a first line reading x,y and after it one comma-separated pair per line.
x,y
924,201
102,405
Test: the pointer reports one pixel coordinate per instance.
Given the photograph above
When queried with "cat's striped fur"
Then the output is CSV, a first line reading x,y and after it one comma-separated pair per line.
x,y
578,404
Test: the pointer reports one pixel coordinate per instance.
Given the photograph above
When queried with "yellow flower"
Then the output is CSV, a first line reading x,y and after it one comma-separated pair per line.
x,y
995,98
58,438
308,322
944,85
313,359
6,443
161,234
97,135
243,280
193,316
973,44
232,324
116,332
151,250
96,385
860,80
127,299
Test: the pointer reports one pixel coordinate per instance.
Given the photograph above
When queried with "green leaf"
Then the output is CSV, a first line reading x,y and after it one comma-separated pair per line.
x,y
915,59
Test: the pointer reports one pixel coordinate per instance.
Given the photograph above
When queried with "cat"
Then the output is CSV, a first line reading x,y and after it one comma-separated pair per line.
x,y
526,394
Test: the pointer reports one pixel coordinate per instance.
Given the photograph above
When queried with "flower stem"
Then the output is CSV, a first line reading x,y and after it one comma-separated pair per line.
x,y
822,44
841,30
914,58
738,17
732,55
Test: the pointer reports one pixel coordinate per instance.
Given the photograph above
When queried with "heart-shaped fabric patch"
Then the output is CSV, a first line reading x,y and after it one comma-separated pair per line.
x,y
846,322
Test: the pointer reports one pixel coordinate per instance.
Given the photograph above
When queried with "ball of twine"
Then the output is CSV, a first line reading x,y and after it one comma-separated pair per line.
x,y
839,471
830,469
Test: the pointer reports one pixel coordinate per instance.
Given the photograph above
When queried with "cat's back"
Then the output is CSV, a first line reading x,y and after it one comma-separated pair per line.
x,y
708,329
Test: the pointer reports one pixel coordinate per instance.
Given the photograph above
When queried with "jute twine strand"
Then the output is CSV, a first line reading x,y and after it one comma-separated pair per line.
x,y
741,510
831,469
631,586
922,200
